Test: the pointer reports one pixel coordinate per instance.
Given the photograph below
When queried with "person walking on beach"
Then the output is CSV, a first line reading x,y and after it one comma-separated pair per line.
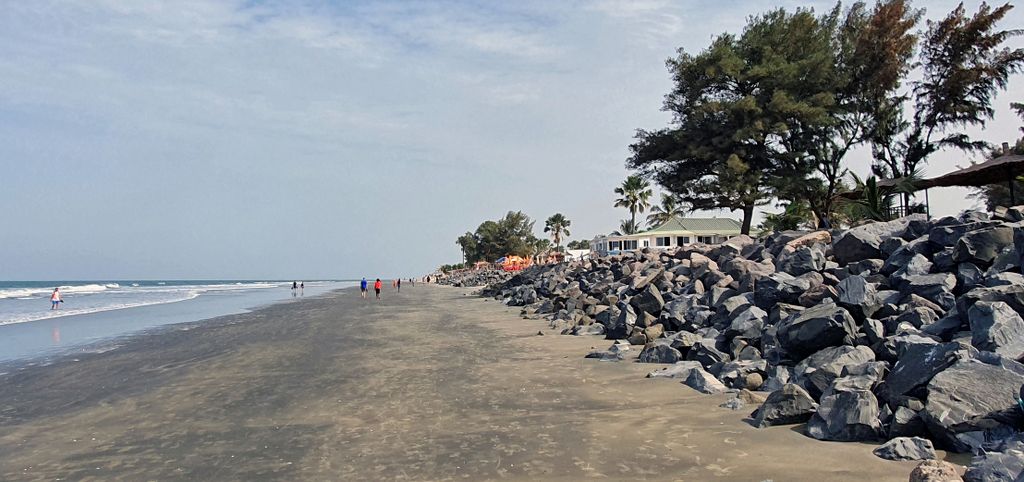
x,y
398,284
377,287
55,299
295,286
362,288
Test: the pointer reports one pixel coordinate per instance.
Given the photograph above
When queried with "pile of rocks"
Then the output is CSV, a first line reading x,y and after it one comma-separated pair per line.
x,y
908,330
474,277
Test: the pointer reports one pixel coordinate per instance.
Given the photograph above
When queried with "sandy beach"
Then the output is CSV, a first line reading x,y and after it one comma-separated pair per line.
x,y
428,384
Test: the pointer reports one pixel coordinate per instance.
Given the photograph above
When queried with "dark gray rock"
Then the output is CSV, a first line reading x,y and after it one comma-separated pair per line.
x,y
906,423
858,297
946,236
779,287
967,400
703,382
906,448
937,288
856,245
622,325
788,405
846,415
1012,295
678,370
816,328
981,246
803,260
606,355
747,324
1005,466
816,372
997,328
918,364
778,376
649,300
655,353
705,352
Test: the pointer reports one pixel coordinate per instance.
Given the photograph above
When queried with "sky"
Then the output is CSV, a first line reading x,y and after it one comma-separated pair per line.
x,y
295,139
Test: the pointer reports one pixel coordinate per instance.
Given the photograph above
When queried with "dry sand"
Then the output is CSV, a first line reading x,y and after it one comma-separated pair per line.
x,y
428,384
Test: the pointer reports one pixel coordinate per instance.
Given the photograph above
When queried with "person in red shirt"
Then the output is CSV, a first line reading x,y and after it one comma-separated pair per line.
x,y
377,286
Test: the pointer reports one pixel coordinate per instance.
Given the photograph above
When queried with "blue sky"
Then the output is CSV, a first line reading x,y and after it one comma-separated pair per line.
x,y
221,139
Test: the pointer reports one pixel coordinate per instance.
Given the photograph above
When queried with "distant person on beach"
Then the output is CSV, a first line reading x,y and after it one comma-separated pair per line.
x,y
55,299
398,284
295,286
302,288
362,288
377,287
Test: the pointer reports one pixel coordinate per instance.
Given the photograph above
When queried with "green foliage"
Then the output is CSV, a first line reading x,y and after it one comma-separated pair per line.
x,y
876,201
964,64
669,208
634,195
995,195
627,226
447,268
794,216
511,235
557,225
579,244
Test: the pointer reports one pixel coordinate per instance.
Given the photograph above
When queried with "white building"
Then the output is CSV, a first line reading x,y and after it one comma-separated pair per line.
x,y
673,233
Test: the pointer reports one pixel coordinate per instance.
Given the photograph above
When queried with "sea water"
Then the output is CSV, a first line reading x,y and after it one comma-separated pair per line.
x,y
98,311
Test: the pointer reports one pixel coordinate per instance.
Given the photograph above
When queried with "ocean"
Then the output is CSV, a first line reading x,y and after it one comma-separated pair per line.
x,y
96,312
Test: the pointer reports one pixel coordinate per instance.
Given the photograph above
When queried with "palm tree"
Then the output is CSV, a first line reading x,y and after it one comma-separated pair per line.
x,y
628,226
670,207
635,194
557,225
876,201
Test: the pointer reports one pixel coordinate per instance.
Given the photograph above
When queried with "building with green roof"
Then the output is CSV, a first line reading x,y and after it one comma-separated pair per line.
x,y
675,232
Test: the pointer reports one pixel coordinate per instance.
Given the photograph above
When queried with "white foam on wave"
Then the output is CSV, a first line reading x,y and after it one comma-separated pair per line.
x,y
49,314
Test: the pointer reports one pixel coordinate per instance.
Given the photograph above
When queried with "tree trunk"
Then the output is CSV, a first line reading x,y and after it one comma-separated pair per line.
x,y
748,216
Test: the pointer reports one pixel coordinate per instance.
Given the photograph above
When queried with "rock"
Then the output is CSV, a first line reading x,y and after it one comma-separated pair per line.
x,y
937,288
963,400
997,466
788,405
606,355
803,260
981,246
752,397
733,404
816,328
684,340
778,376
846,415
816,372
592,329
637,336
705,352
622,325
858,297
997,328
747,324
649,300
935,471
906,448
918,364
809,239
680,369
654,353
653,332
1012,295
779,287
856,245
906,423
703,382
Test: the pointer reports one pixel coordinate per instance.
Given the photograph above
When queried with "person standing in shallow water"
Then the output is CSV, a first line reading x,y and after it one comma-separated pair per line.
x,y
362,288
377,287
55,299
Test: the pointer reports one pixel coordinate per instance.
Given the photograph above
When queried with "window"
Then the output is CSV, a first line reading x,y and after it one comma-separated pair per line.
x,y
706,239
629,244
647,243
663,241
614,245
682,240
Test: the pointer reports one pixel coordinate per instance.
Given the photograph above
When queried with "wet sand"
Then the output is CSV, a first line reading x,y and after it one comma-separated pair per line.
x,y
428,384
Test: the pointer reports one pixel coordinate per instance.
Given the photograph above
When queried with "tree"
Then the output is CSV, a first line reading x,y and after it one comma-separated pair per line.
x,y
669,208
964,64
876,202
635,195
873,53
627,226
742,111
511,235
557,225
793,216
578,244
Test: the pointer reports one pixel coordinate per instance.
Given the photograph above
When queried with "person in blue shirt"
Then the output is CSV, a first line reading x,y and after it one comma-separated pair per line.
x,y
362,288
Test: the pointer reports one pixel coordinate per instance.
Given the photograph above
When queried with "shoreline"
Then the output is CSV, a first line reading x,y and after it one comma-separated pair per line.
x,y
429,384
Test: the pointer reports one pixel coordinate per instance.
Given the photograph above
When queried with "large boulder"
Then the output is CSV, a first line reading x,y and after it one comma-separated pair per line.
x,y
787,405
779,287
680,369
649,300
859,297
815,328
816,372
846,414
706,354
935,471
997,328
703,382
981,246
747,324
906,448
802,260
937,288
1003,466
864,242
971,399
621,326
918,363
659,353
1012,295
